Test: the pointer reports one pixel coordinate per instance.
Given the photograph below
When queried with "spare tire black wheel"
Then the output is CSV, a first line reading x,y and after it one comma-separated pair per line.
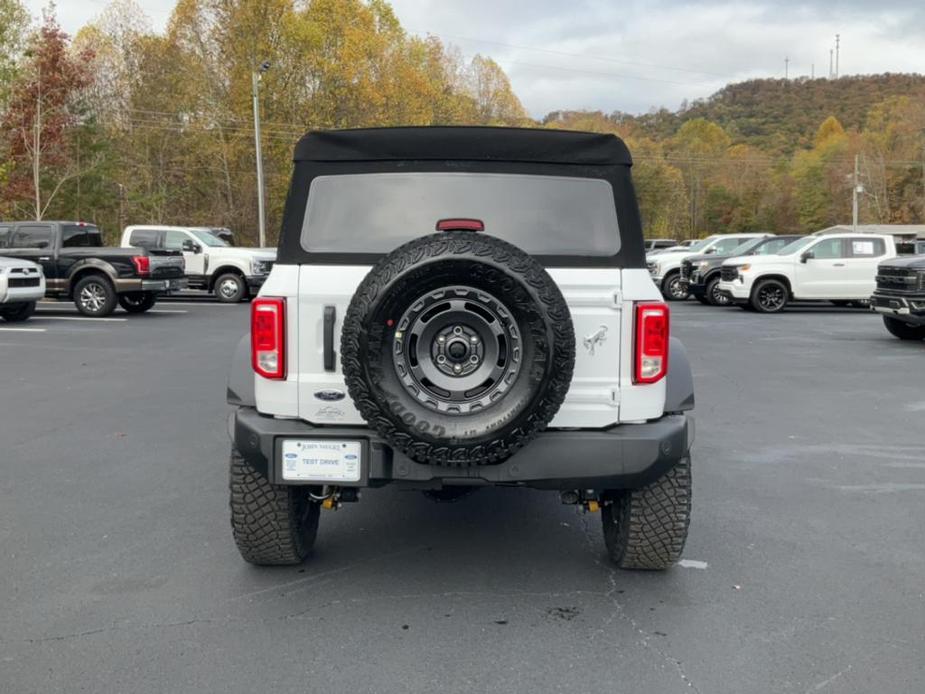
x,y
458,349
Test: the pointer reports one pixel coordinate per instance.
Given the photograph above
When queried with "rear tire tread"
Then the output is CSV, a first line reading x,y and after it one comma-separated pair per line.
x,y
646,528
272,524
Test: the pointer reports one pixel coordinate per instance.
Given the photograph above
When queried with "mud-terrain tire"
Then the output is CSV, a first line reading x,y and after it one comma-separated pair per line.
x,y
902,330
646,528
17,312
272,524
137,302
458,296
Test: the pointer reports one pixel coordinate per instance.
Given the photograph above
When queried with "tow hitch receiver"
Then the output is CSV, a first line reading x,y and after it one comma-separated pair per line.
x,y
586,498
333,497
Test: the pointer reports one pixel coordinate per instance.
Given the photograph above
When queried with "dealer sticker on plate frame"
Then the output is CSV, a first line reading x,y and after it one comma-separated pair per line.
x,y
321,460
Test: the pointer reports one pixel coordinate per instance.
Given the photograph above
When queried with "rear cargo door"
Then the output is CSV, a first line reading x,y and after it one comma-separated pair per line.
x,y
324,294
594,298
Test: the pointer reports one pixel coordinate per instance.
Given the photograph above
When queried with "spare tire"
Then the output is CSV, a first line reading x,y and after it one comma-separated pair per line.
x,y
458,349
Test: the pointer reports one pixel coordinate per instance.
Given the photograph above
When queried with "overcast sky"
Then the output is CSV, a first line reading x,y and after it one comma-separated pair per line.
x,y
635,55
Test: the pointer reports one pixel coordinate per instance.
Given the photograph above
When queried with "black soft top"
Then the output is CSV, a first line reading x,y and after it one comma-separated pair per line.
x,y
527,145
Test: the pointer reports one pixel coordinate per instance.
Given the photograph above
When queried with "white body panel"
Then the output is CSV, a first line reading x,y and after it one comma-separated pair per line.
x,y
601,301
848,279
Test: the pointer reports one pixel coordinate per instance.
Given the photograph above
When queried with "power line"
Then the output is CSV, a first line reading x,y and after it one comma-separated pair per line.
x,y
603,74
588,56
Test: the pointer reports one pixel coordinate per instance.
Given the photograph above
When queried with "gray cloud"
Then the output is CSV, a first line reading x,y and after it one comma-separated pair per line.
x,y
631,56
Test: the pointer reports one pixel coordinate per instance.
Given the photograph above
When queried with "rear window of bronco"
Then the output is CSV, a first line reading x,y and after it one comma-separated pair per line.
x,y
543,215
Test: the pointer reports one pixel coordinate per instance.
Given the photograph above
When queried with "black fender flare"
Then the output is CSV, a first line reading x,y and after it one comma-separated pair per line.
x,y
679,386
240,389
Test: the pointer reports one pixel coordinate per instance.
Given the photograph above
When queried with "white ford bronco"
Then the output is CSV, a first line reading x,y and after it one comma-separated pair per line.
x,y
454,308
230,273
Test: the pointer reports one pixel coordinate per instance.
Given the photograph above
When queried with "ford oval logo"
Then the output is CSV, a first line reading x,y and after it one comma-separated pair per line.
x,y
329,395
290,456
350,456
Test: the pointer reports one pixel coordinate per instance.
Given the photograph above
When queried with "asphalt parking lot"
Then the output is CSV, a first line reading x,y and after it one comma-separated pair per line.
x,y
804,571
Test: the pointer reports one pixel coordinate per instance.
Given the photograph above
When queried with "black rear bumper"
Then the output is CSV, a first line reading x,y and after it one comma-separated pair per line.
x,y
626,456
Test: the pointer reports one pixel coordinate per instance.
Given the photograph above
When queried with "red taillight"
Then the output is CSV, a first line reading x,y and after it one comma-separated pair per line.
x,y
460,225
652,335
268,337
142,265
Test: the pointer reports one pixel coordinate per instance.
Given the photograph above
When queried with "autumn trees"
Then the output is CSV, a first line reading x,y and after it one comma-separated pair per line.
x,y
163,120
126,124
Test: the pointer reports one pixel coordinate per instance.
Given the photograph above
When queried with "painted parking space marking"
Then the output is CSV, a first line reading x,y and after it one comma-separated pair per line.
x,y
84,318
164,310
23,330
692,564
196,303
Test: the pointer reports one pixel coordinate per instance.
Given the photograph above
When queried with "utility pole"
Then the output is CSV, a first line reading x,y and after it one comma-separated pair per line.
x,y
812,71
37,149
121,207
854,197
255,91
837,41
787,67
831,56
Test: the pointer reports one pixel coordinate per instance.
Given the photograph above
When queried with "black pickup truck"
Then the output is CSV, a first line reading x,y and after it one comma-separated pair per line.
x,y
900,296
79,267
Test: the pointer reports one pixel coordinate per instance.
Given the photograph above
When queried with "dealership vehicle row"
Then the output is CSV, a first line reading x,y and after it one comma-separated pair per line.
x,y
760,272
765,273
68,261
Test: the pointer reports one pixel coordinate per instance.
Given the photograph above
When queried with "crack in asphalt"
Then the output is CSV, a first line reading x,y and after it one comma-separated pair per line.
x,y
113,627
620,612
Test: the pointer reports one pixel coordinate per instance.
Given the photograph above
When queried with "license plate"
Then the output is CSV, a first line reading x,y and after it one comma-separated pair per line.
x,y
321,460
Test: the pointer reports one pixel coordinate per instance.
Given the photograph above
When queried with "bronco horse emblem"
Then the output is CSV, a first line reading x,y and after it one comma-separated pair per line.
x,y
594,339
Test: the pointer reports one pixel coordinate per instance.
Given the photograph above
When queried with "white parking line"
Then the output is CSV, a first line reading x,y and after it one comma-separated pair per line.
x,y
84,318
23,330
164,310
195,303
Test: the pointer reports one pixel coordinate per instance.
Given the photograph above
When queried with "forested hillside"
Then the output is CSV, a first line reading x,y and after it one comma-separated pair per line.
x,y
777,155
783,115
121,124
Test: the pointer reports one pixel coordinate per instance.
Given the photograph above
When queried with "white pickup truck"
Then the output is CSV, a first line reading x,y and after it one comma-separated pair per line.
x,y
841,268
665,267
231,273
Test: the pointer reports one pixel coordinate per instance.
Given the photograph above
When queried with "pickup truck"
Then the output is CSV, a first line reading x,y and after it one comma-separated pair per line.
x,y
838,267
701,273
231,274
900,297
665,267
78,267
